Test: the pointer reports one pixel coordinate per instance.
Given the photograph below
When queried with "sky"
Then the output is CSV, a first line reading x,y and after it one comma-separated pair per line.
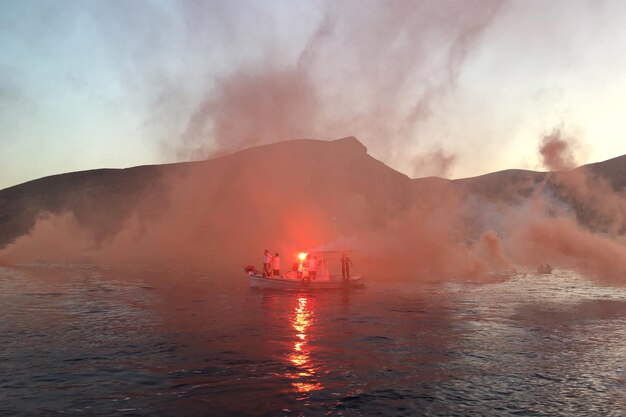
x,y
449,88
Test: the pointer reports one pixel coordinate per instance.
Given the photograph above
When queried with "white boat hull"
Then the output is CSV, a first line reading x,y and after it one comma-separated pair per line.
x,y
287,282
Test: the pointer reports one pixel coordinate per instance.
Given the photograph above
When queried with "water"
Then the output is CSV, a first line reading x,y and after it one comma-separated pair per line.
x,y
91,342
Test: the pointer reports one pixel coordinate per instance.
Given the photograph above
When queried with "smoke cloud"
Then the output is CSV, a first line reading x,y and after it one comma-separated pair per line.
x,y
557,152
252,107
367,69
437,162
221,214
54,238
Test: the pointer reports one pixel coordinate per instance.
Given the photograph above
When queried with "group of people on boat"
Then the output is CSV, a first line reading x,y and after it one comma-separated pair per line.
x,y
306,269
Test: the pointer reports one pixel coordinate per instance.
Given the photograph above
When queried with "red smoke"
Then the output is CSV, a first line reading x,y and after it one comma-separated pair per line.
x,y
220,215
557,152
367,69
561,241
251,107
437,163
54,238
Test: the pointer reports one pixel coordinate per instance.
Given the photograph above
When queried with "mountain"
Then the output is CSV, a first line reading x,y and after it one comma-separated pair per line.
x,y
293,194
100,196
268,191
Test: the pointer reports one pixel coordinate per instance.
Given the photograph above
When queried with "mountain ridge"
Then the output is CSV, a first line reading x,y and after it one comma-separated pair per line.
x,y
295,194
51,191
609,166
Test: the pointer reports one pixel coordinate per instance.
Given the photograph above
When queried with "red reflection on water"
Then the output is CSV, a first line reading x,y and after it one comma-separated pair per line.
x,y
305,379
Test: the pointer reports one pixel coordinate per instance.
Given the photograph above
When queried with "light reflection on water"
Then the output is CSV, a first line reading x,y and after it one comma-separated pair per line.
x,y
305,379
107,343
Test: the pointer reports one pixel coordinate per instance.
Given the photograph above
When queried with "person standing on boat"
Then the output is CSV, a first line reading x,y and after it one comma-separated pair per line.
x,y
276,264
346,263
267,259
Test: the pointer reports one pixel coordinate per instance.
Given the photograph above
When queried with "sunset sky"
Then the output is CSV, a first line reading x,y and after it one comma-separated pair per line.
x,y
449,88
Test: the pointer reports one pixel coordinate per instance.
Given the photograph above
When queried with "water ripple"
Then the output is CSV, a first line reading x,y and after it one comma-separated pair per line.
x,y
83,341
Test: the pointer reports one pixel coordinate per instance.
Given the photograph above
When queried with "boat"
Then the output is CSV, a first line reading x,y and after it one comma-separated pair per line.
x,y
297,278
284,281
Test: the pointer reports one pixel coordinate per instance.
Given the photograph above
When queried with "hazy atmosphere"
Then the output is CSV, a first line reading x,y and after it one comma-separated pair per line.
x,y
313,208
446,88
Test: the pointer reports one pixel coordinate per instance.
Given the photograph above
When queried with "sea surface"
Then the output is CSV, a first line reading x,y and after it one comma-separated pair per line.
x,y
92,342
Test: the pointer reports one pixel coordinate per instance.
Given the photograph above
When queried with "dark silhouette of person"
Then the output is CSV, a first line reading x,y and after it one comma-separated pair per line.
x,y
267,259
312,267
346,263
276,265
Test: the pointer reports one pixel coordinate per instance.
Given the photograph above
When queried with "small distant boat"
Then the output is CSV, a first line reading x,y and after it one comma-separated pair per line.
x,y
298,278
